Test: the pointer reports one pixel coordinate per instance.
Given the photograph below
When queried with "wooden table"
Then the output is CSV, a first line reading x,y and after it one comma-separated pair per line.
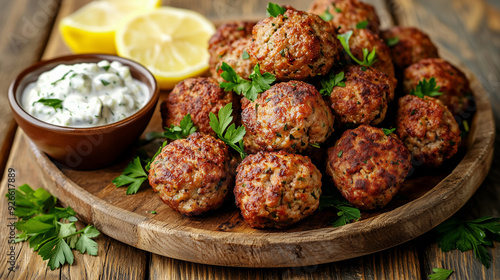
x,y
469,30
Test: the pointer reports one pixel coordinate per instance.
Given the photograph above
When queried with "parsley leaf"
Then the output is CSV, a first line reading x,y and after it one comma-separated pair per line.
x,y
440,274
331,81
250,89
186,127
362,24
245,55
133,175
346,212
62,78
326,16
233,136
388,131
428,88
391,42
473,235
275,10
52,102
368,57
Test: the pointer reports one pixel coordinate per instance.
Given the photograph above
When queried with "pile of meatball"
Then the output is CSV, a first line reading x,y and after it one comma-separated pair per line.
x,y
278,184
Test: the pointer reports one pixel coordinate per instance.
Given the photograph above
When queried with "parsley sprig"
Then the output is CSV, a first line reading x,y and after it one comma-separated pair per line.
x,y
330,81
274,10
362,24
428,88
250,89
473,235
51,102
233,136
326,16
440,274
368,57
388,131
133,175
48,229
183,130
346,212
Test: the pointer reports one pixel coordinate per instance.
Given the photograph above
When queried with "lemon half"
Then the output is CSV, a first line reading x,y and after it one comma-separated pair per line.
x,y
172,43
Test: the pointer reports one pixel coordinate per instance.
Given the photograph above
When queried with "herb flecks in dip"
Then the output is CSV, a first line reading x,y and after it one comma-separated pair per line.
x,y
85,95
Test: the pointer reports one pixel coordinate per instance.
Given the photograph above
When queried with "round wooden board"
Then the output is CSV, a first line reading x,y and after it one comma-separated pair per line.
x,y
222,238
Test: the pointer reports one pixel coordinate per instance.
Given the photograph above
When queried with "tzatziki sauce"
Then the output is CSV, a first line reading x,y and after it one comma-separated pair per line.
x,y
85,94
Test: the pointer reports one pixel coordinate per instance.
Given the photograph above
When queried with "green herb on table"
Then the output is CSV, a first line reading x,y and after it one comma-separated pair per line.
x,y
388,131
391,42
50,230
250,89
330,81
231,135
346,212
426,88
326,16
51,102
133,175
368,57
440,274
274,10
362,24
473,235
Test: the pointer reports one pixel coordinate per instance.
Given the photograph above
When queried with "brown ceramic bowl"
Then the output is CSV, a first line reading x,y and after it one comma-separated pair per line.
x,y
89,147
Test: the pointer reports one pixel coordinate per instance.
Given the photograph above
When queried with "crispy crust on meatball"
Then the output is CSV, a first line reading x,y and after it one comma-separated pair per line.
x,y
198,97
294,46
364,98
289,116
347,14
193,175
428,130
368,167
453,82
276,189
220,43
413,45
236,58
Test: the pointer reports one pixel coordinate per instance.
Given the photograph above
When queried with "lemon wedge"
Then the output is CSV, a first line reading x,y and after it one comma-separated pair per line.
x,y
92,28
171,42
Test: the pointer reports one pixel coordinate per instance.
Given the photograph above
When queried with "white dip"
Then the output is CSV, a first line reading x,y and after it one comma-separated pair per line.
x,y
85,95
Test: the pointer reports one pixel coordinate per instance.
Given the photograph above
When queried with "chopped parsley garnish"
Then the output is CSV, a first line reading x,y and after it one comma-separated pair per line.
x,y
391,42
50,230
250,89
362,24
388,131
52,102
231,135
315,145
326,16
106,67
153,212
62,78
245,55
426,88
440,274
104,82
330,81
275,10
340,153
368,57
346,212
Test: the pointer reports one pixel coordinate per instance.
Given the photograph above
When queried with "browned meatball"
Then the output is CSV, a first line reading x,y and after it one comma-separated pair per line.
x,y
346,14
428,130
413,45
453,82
220,43
365,39
289,116
276,189
364,98
198,97
294,46
238,58
193,175
368,167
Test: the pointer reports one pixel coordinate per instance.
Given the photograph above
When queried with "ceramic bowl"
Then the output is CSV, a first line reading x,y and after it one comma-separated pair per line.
x,y
89,147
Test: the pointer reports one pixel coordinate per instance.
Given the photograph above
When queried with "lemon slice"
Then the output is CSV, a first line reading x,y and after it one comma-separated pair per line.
x,y
172,43
92,28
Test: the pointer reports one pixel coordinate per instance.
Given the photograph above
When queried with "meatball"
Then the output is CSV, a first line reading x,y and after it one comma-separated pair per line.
x,y
193,175
220,43
453,82
364,98
365,39
238,58
346,14
276,189
368,167
197,97
290,116
413,45
294,46
428,130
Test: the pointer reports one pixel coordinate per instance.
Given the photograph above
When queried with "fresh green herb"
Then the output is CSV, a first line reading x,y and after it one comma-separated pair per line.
x,y
50,230
388,131
346,212
466,125
106,67
391,42
104,82
245,55
440,274
275,10
428,88
186,127
330,81
340,153
250,89
62,78
153,212
232,135
133,175
282,53
362,24
315,145
473,235
368,58
148,164
326,16
52,102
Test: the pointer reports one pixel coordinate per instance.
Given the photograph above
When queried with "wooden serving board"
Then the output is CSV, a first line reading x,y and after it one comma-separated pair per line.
x,y
426,199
